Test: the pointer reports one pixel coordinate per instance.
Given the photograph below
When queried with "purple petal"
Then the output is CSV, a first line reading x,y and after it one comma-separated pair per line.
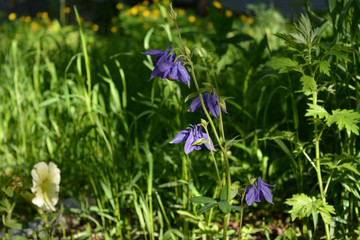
x,y
267,194
205,136
188,148
250,196
153,52
181,136
183,75
155,73
214,106
195,104
165,66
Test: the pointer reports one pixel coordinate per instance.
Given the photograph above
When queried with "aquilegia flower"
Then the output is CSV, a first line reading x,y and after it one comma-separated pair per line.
x,y
167,67
46,180
190,135
258,191
211,104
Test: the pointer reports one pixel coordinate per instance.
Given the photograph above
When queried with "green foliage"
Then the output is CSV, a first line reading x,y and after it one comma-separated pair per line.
x,y
302,206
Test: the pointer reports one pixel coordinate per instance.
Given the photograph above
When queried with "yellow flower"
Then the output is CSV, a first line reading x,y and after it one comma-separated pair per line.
x,y
35,26
250,33
113,29
181,11
95,27
12,16
134,10
146,25
228,13
67,10
250,20
192,19
141,8
119,5
156,12
146,3
27,19
146,13
217,4
45,15
46,180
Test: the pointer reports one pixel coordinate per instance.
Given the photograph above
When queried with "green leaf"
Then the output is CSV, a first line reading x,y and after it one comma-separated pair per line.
x,y
224,206
231,141
289,234
13,224
202,199
233,193
284,65
191,95
301,205
347,119
206,207
309,84
9,192
237,208
324,67
325,210
223,194
315,110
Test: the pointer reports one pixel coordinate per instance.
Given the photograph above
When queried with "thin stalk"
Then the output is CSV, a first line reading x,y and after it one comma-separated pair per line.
x,y
241,215
213,157
318,167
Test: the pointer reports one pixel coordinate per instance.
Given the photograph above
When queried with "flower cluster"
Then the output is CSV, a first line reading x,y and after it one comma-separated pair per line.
x,y
191,135
46,180
257,192
211,104
167,66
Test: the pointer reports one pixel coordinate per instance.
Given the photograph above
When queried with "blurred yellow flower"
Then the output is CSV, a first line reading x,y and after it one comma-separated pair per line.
x,y
38,14
250,20
46,180
250,33
156,12
127,13
247,19
12,16
146,3
35,26
217,4
113,29
67,10
228,13
119,5
95,27
146,13
134,10
155,1
141,8
180,11
27,19
45,15
192,19
146,25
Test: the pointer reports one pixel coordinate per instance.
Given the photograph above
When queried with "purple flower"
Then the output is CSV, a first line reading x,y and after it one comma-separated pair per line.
x,y
190,135
57,220
258,192
166,66
211,104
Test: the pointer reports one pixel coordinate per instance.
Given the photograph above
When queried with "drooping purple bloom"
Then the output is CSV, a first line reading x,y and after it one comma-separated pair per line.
x,y
166,66
257,192
57,220
211,104
190,135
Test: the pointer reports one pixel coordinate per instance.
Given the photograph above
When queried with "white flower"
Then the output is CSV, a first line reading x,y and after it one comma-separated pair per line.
x,y
46,180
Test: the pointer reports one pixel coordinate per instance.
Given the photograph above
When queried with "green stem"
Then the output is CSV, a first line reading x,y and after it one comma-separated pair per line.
x,y
318,167
241,215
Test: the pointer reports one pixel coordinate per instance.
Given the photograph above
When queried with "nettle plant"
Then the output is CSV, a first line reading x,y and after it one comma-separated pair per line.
x,y
173,64
312,60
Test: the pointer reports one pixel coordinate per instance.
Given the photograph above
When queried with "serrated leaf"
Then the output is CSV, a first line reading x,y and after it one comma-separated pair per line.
x,y
301,205
206,207
224,206
344,118
315,110
325,210
284,65
9,192
349,167
202,199
309,84
324,67
13,224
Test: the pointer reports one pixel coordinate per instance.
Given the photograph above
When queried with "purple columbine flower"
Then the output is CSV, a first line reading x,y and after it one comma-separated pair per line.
x,y
190,135
211,104
257,192
57,220
166,66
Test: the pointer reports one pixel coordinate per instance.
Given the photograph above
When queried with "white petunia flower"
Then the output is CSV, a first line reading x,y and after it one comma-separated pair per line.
x,y
46,180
